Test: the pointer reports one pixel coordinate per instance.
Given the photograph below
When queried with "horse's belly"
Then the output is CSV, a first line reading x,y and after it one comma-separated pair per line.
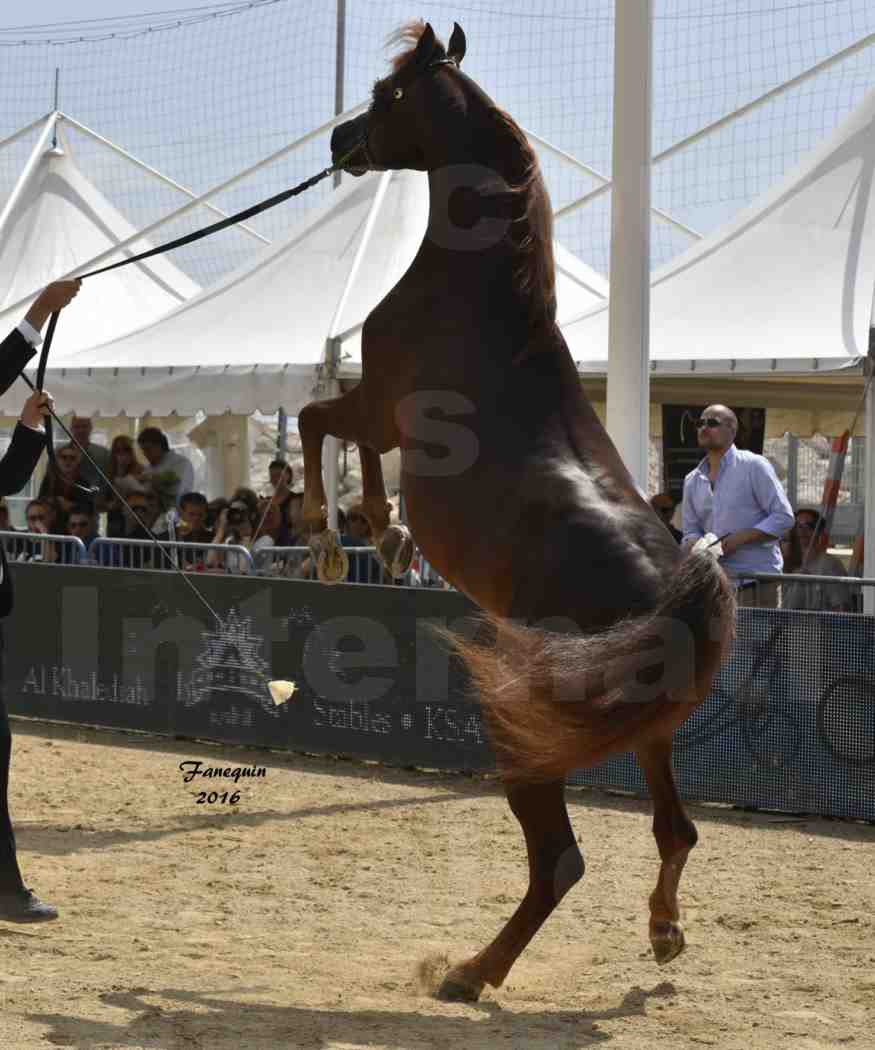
x,y
460,546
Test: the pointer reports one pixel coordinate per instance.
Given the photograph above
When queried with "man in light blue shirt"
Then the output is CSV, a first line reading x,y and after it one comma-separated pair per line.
x,y
736,495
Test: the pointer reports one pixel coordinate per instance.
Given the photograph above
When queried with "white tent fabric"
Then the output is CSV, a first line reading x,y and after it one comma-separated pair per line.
x,y
58,223
257,339
786,286
578,289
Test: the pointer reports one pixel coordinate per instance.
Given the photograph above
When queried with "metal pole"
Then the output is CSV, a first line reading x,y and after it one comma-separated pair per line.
x,y
282,440
331,447
55,108
340,68
628,395
793,470
869,504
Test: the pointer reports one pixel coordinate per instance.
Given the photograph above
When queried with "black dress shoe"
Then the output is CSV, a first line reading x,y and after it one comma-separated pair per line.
x,y
24,906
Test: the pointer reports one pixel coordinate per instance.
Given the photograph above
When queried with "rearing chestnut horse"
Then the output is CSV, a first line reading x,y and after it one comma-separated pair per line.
x,y
515,493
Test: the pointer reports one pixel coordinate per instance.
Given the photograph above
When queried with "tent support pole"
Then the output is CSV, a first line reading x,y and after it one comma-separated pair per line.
x,y
157,174
360,252
742,111
22,131
29,168
204,197
569,158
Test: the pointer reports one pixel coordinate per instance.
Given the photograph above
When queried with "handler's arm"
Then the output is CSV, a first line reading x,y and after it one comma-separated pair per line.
x,y
21,343
28,441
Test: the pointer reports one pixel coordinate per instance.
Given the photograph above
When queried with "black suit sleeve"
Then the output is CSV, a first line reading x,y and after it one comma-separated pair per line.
x,y
15,352
21,457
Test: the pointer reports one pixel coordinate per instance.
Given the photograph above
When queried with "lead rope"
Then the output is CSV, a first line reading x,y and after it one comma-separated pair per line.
x,y
280,690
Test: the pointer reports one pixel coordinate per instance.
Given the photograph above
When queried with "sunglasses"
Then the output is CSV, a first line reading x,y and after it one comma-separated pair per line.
x,y
78,524
138,508
36,517
710,423
809,526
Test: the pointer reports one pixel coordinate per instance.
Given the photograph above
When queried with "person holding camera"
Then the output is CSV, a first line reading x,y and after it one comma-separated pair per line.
x,y
234,527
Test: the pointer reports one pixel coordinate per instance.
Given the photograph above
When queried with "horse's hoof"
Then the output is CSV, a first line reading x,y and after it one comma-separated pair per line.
x,y
458,990
396,550
667,942
332,563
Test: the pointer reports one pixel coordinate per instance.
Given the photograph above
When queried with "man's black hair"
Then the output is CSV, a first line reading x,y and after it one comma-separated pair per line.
x,y
193,497
153,436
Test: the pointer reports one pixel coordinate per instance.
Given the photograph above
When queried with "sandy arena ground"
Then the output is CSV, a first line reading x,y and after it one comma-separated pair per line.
x,y
297,918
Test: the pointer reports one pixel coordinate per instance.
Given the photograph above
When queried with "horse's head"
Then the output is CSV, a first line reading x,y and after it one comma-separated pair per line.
x,y
398,129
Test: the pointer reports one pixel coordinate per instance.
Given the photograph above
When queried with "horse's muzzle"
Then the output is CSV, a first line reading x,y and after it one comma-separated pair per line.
x,y
349,143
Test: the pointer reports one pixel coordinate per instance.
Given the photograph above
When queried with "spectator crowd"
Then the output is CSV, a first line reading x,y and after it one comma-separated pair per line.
x,y
160,501
732,494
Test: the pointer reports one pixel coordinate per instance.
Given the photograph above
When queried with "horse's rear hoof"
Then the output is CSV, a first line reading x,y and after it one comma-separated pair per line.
x,y
456,990
667,942
396,550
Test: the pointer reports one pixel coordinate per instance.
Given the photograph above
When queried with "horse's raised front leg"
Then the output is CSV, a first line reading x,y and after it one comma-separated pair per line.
x,y
393,542
675,836
555,864
373,429
345,417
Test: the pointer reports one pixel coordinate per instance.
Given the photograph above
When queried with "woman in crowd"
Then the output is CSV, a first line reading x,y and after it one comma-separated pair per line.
x,y
126,473
816,561
61,485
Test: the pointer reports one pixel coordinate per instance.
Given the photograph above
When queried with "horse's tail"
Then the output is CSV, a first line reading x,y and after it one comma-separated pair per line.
x,y
557,701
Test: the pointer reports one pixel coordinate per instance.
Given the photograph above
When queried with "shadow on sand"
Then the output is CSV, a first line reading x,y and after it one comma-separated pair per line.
x,y
210,1020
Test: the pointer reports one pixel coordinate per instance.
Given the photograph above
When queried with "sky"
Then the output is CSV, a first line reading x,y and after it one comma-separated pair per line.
x,y
202,90
47,12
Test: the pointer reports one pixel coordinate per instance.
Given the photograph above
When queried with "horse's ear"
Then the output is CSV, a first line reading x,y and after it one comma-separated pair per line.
x,y
425,47
456,50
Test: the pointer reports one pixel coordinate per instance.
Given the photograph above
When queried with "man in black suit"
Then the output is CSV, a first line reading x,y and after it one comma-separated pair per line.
x,y
17,903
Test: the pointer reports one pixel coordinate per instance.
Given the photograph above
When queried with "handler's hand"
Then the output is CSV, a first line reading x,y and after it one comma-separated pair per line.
x,y
59,294
36,409
730,545
52,298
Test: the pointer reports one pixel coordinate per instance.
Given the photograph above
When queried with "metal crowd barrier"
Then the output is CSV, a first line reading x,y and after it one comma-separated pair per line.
x,y
295,563
298,563
805,591
365,566
229,558
49,547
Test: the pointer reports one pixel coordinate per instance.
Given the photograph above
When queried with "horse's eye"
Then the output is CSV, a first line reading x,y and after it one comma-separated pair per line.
x,y
398,94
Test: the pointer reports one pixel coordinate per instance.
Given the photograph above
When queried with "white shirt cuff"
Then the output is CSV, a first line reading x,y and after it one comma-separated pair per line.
x,y
30,333
39,429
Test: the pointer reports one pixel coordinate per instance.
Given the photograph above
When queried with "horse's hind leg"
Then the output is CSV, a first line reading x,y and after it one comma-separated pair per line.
x,y
555,864
675,836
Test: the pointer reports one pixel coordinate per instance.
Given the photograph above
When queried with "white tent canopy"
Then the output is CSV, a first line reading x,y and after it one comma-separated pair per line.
x,y
55,221
257,339
786,286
